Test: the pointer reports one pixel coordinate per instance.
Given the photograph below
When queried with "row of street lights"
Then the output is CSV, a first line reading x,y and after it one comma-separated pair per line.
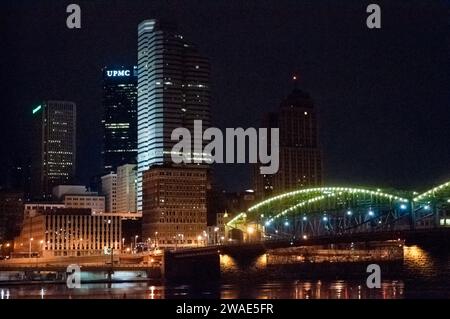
x,y
41,243
135,240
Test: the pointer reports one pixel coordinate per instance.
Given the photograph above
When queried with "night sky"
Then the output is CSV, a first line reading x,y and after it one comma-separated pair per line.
x,y
383,96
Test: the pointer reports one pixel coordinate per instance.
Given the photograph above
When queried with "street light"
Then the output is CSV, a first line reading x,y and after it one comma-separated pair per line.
x,y
29,252
135,242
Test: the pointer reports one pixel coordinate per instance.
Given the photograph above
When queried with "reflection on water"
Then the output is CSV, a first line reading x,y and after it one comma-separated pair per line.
x,y
418,259
425,274
315,290
272,290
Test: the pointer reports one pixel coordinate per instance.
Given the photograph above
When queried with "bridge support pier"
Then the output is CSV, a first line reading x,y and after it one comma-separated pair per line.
x,y
435,212
191,266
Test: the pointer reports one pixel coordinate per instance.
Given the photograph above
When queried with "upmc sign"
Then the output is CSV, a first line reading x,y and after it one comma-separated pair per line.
x,y
117,73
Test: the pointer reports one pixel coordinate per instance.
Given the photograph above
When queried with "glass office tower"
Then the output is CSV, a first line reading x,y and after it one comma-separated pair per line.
x,y
173,91
120,117
54,146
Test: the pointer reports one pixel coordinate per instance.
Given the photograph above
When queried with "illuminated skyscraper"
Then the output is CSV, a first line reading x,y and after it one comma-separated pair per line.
x,y
173,81
300,153
54,146
120,117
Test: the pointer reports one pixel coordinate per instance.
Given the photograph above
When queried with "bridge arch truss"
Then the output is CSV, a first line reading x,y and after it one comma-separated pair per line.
x,y
433,207
326,211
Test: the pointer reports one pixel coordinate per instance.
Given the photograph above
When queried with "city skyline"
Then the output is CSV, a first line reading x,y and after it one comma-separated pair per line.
x,y
379,116
208,150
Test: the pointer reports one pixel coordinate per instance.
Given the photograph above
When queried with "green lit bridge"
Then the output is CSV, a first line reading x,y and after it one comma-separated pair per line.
x,y
331,212
323,218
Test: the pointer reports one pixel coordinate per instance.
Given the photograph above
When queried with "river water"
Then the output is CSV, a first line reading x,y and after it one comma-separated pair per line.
x,y
425,273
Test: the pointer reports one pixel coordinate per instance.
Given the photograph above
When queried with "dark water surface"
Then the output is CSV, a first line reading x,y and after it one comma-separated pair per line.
x,y
425,273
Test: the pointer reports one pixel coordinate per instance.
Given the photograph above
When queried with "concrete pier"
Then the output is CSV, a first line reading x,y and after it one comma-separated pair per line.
x,y
190,265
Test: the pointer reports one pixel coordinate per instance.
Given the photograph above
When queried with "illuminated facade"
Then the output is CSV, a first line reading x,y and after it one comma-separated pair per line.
x,y
300,154
120,117
68,232
173,81
54,146
126,188
109,190
174,210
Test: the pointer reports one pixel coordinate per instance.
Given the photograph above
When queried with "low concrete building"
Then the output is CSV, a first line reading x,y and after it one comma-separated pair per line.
x,y
31,209
93,202
61,190
68,232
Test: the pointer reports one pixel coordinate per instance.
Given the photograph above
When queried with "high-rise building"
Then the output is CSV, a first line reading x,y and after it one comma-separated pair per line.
x,y
109,190
174,207
300,153
120,117
54,146
126,189
174,90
